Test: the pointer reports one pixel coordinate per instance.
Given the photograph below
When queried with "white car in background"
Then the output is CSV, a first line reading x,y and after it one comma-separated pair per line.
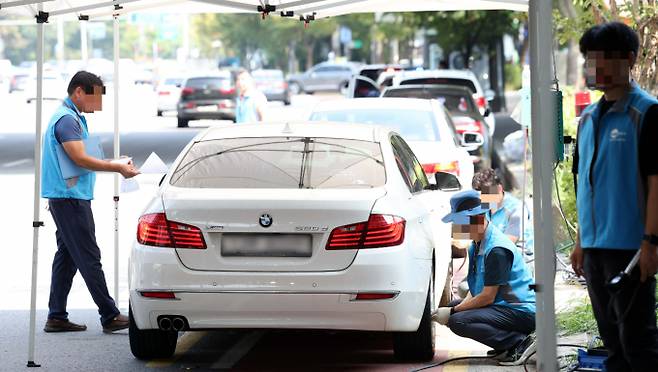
x,y
54,87
168,91
462,78
294,225
424,124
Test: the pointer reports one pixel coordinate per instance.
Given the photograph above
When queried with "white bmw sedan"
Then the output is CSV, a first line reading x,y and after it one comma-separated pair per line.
x,y
295,225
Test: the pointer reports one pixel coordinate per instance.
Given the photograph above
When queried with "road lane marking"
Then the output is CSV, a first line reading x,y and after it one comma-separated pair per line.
x,y
12,164
185,343
238,351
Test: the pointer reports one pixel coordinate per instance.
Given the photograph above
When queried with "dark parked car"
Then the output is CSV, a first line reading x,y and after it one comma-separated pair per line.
x,y
463,110
210,96
273,85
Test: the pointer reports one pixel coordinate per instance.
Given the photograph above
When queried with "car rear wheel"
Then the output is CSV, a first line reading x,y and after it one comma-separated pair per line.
x,y
150,343
295,88
183,123
418,345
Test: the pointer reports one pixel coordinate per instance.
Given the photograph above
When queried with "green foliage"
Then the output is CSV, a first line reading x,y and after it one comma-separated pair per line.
x,y
577,319
513,73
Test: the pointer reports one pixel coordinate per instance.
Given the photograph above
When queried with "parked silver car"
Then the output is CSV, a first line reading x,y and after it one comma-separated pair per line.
x,y
326,76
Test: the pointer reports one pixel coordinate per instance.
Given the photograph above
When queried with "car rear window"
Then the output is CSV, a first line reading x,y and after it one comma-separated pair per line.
x,y
447,81
413,125
208,83
173,81
281,163
455,102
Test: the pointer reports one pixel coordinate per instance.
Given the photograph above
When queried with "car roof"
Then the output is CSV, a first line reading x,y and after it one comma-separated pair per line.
x,y
458,74
324,129
212,74
374,104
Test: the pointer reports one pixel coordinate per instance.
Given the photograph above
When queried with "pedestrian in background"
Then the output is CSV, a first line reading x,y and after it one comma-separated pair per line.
x,y
69,202
616,177
251,102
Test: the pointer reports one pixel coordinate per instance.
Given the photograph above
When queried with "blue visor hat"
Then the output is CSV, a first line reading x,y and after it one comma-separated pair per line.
x,y
463,205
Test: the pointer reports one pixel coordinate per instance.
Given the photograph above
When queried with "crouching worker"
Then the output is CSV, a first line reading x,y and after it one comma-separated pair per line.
x,y
499,309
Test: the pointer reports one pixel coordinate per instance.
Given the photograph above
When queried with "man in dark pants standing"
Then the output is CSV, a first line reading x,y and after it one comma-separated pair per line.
x,y
617,198
69,201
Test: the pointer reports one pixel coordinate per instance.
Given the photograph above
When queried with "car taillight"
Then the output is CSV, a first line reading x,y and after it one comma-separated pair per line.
x,y
154,229
451,167
469,125
481,101
190,105
381,230
227,90
186,91
163,93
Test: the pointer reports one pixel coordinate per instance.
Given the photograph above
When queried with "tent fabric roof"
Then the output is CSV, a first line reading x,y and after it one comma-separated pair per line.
x,y
322,8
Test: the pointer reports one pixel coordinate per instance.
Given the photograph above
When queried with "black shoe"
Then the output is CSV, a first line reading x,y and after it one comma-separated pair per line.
x,y
496,354
520,353
58,325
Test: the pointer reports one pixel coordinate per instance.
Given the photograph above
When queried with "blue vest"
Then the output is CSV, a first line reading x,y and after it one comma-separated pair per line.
x,y
611,199
501,218
245,110
516,292
53,185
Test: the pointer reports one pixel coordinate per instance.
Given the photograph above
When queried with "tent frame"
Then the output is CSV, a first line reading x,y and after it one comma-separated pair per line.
x,y
543,139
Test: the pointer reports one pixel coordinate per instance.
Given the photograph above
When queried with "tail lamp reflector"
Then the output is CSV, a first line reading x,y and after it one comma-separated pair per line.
x,y
160,295
373,296
379,231
154,229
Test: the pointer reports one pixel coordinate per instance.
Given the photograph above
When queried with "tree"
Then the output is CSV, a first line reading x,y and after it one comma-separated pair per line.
x,y
642,15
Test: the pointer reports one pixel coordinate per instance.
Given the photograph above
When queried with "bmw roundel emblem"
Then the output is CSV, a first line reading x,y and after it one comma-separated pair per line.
x,y
265,220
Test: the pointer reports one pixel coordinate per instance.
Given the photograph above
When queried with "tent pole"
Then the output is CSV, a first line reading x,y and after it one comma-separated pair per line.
x,y
543,143
36,223
116,156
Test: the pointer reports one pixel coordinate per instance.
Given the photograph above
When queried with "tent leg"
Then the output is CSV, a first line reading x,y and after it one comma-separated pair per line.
x,y
116,156
543,140
36,224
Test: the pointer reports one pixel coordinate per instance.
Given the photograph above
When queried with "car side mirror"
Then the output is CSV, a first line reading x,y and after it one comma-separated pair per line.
x,y
179,85
489,95
447,181
472,139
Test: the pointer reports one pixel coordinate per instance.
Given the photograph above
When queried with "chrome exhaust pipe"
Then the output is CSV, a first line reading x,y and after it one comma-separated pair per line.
x,y
165,324
178,324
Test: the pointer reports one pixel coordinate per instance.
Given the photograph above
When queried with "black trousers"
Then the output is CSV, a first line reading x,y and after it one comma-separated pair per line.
x,y
498,327
77,250
633,343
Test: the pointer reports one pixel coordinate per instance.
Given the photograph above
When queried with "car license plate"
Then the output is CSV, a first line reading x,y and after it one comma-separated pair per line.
x,y
207,108
266,245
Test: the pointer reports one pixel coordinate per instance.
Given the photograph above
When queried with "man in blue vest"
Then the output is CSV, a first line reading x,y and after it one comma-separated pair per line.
x,y
69,202
507,212
616,177
499,310
252,103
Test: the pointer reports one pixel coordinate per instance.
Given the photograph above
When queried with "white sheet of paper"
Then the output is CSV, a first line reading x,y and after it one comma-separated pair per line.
x,y
129,185
153,165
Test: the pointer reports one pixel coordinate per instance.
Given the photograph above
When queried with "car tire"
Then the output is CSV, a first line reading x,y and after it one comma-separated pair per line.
x,y
183,123
150,343
295,88
159,112
418,345
286,101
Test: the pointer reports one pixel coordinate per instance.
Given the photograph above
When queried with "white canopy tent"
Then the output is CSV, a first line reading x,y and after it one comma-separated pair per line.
x,y
543,115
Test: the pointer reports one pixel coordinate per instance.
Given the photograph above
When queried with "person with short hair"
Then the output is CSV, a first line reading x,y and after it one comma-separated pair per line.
x,y
251,103
507,212
69,202
499,309
615,171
